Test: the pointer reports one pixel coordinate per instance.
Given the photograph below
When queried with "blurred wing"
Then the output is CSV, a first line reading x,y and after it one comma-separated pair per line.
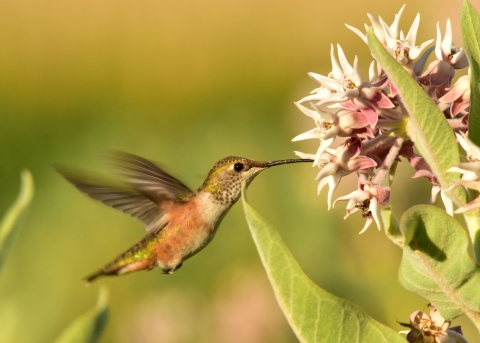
x,y
147,177
134,203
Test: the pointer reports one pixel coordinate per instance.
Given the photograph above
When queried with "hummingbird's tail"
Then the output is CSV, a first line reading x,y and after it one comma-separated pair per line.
x,y
137,257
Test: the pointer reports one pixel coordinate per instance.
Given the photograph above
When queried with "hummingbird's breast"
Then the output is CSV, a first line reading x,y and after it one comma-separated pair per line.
x,y
187,232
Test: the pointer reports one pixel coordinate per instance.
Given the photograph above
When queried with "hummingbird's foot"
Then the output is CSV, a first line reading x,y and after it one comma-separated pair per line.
x,y
171,270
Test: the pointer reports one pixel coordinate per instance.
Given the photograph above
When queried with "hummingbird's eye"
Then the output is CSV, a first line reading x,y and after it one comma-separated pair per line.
x,y
238,167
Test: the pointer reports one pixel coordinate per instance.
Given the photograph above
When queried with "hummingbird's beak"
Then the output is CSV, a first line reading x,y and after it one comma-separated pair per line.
x,y
276,163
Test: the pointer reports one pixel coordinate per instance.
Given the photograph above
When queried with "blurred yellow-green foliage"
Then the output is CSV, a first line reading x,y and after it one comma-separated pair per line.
x,y
183,83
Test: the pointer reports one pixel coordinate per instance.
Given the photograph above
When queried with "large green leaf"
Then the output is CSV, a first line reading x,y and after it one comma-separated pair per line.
x,y
88,327
314,314
471,42
13,219
429,129
436,265
427,125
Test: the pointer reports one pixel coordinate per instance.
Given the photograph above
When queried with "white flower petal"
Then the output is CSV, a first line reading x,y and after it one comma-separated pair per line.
x,y
377,28
324,144
463,142
356,77
368,222
335,98
447,41
434,194
304,155
311,113
332,181
315,133
415,52
325,116
459,60
354,197
412,33
390,41
337,70
328,170
332,84
396,23
447,202
347,68
314,97
323,182
472,150
330,133
372,72
438,44
375,210
358,32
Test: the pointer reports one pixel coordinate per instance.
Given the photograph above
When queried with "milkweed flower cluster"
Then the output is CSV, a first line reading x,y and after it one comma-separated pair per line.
x,y
431,328
368,114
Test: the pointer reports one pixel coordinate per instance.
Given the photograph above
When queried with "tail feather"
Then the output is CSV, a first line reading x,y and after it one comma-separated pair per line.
x,y
137,257
121,269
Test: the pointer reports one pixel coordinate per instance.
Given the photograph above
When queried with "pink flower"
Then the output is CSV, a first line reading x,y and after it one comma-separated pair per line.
x,y
440,72
330,125
423,170
401,47
458,96
367,198
446,51
334,164
431,328
345,83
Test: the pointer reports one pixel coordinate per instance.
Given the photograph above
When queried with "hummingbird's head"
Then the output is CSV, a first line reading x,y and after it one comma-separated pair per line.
x,y
225,179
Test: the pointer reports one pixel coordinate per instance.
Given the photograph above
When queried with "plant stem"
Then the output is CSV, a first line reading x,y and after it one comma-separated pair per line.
x,y
389,159
376,142
458,124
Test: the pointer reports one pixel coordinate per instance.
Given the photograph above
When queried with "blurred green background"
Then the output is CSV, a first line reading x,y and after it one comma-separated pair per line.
x,y
183,83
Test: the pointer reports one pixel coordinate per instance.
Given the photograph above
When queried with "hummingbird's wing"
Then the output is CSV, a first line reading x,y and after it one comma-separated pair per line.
x,y
147,177
131,202
149,187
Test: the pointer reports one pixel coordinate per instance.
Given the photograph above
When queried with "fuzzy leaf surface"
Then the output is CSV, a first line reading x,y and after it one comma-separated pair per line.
x,y
427,125
436,265
314,314
471,42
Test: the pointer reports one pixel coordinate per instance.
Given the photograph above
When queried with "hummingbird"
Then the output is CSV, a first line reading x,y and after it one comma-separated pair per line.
x,y
179,222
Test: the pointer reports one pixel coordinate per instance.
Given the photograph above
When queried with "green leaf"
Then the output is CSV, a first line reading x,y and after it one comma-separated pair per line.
x,y
429,129
13,219
471,41
436,265
427,125
88,327
392,228
314,314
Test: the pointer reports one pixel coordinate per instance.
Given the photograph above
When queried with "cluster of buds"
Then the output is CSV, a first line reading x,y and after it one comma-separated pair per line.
x,y
431,328
369,115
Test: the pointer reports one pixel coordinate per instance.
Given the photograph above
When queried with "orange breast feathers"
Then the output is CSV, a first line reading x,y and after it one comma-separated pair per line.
x,y
185,232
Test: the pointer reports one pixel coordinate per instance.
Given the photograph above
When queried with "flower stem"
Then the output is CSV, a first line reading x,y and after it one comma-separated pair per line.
x,y
458,124
389,159
376,142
